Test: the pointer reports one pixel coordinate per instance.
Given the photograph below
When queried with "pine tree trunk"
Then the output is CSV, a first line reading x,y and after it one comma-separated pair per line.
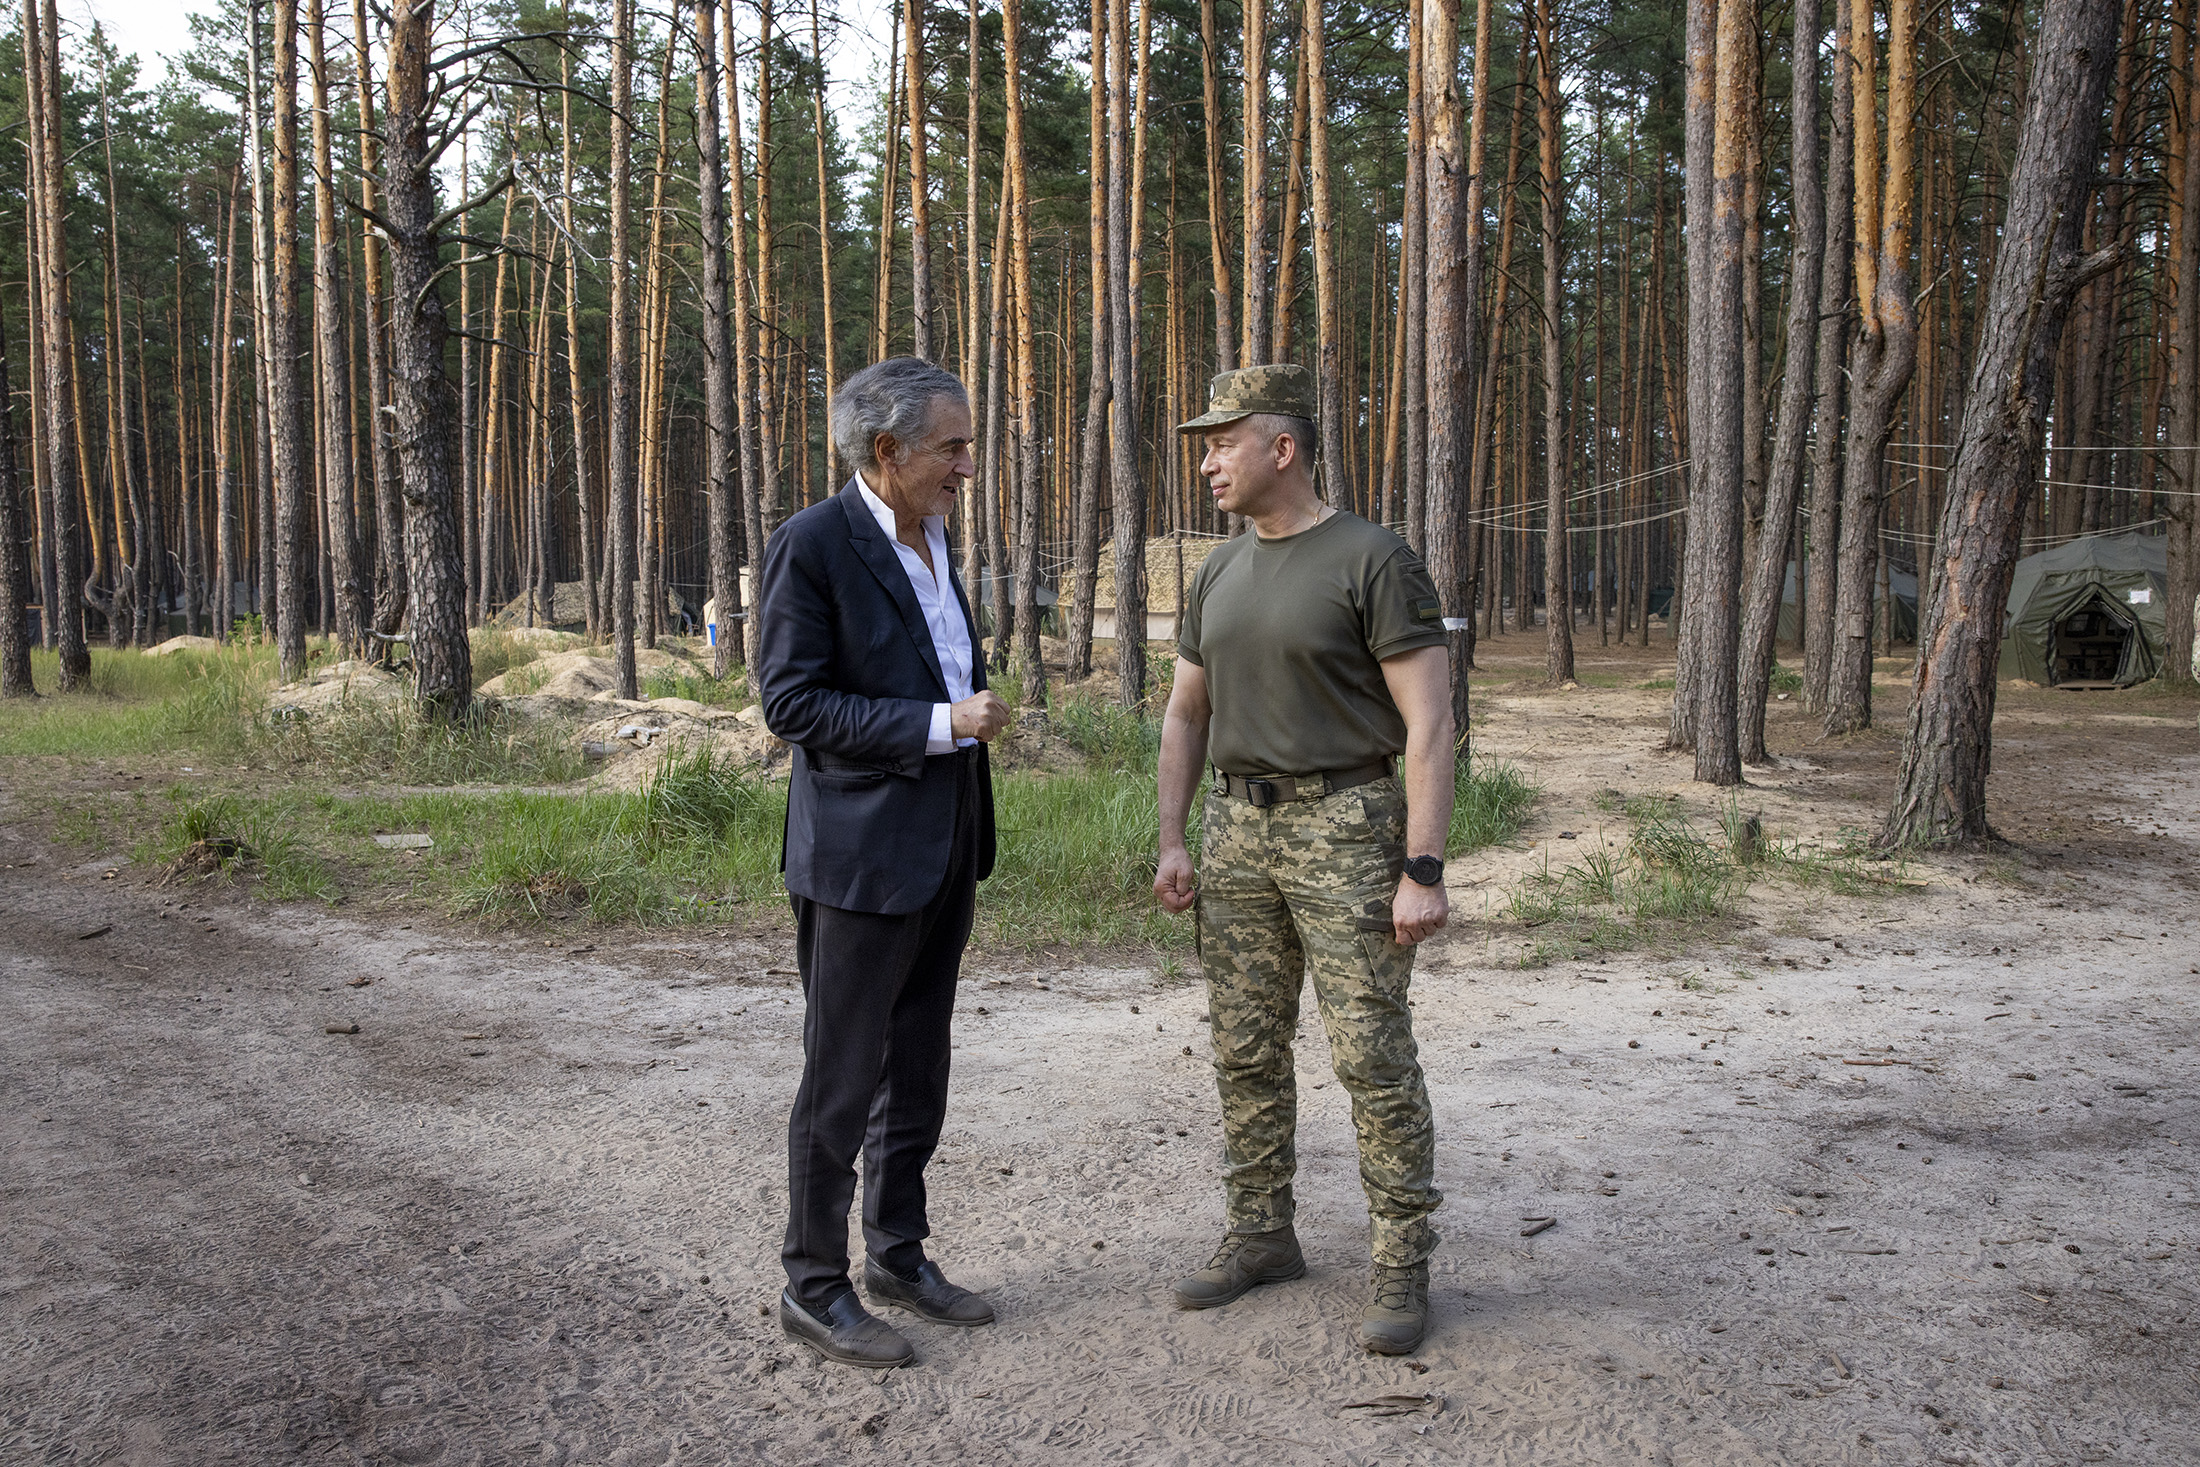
x,y
15,539
224,604
1294,208
770,504
718,443
1940,793
328,323
1085,508
1558,592
1885,349
584,504
2182,508
1710,615
825,220
1413,277
389,505
1218,234
286,424
420,391
1328,326
1768,571
1129,490
1450,347
64,466
1253,329
1836,309
620,458
920,206
1031,662
995,479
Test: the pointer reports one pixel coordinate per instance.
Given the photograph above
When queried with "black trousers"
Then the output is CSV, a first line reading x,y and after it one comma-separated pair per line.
x,y
880,995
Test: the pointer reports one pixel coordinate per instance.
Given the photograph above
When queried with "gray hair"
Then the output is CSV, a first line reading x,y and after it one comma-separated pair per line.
x,y
1302,432
893,397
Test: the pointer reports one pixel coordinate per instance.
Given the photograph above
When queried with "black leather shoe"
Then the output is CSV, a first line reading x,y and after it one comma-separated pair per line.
x,y
846,1333
929,1294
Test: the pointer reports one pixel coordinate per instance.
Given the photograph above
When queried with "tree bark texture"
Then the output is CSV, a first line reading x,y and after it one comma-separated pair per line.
x,y
1558,580
56,347
328,325
718,450
1699,134
1783,487
620,457
1253,329
1085,508
1218,233
1940,793
1450,335
1885,347
420,390
1129,491
1836,322
286,421
1031,665
389,504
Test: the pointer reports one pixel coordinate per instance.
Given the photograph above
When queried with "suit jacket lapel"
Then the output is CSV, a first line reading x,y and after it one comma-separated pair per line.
x,y
884,562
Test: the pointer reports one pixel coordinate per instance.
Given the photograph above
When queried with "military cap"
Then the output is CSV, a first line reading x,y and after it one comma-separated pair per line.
x,y
1282,388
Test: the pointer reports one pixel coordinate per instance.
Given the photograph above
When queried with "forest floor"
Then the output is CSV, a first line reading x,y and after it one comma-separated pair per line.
x,y
1891,1162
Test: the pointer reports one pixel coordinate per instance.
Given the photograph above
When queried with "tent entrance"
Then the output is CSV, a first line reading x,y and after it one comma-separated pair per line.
x,y
2088,648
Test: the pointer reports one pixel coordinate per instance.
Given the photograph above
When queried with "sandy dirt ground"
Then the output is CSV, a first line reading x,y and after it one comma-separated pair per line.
x,y
1889,1180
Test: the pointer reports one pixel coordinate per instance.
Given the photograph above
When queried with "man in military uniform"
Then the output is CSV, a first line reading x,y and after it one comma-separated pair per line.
x,y
1310,663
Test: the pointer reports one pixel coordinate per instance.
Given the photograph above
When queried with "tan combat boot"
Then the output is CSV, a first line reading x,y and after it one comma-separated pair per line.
x,y
1396,1318
1243,1260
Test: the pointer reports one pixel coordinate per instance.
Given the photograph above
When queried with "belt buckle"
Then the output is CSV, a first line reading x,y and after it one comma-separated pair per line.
x,y
1260,793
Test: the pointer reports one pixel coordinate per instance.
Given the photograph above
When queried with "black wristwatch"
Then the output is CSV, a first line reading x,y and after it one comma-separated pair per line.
x,y
1427,870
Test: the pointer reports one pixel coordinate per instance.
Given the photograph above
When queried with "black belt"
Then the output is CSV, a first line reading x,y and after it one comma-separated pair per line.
x,y
1262,791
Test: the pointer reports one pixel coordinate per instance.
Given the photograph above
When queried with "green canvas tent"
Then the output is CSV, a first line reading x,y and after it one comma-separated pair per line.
x,y
2089,613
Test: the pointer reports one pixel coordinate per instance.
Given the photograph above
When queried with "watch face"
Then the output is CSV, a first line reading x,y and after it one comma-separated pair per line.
x,y
1426,870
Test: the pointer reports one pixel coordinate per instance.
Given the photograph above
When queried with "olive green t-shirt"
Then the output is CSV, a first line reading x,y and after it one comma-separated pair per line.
x,y
1292,633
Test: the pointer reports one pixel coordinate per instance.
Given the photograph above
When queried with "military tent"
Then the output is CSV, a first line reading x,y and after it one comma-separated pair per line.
x,y
2089,613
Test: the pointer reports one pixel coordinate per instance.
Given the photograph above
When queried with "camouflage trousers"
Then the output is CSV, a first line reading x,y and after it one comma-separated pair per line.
x,y
1308,885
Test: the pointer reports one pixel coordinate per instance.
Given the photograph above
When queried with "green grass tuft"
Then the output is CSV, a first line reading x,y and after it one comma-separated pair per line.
x,y
1489,803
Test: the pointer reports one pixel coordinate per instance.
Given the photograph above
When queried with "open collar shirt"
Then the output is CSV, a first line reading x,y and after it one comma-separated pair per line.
x,y
942,614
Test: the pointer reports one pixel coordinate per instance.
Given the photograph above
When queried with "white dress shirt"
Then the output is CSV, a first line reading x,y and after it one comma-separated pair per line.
x,y
942,616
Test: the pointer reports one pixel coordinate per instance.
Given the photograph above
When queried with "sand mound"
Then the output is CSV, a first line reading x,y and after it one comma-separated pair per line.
x,y
184,644
640,736
340,686
579,676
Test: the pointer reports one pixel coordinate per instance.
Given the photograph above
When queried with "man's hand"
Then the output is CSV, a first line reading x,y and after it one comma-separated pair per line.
x,y
1174,881
1417,911
980,716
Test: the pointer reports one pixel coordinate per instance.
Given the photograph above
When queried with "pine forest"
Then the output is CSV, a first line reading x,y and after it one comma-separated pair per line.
x,y
382,324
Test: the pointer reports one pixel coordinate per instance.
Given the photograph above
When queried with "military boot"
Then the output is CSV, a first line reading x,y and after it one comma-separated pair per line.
x,y
1243,1260
1396,1318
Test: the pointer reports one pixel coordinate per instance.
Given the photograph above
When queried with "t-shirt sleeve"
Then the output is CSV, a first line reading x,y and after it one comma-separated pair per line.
x,y
1401,609
1187,627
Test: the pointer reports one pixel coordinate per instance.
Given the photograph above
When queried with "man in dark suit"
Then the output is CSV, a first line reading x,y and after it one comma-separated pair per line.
x,y
867,663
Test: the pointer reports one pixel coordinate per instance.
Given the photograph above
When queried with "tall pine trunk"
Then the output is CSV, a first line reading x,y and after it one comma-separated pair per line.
x,y
1449,344
1085,505
1030,661
718,427
1940,793
1129,491
1885,348
389,505
619,466
328,325
286,422
1836,323
1558,588
420,389
1768,572
56,345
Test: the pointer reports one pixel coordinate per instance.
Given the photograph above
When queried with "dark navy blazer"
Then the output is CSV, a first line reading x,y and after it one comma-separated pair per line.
x,y
848,675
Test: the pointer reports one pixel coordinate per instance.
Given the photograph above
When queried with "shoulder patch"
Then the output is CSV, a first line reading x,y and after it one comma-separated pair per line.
x,y
1425,608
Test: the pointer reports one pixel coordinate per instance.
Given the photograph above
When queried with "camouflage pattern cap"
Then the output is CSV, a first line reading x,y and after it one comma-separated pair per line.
x,y
1283,388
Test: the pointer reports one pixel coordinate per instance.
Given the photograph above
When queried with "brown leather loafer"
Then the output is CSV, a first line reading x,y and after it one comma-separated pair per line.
x,y
845,1333
929,1295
